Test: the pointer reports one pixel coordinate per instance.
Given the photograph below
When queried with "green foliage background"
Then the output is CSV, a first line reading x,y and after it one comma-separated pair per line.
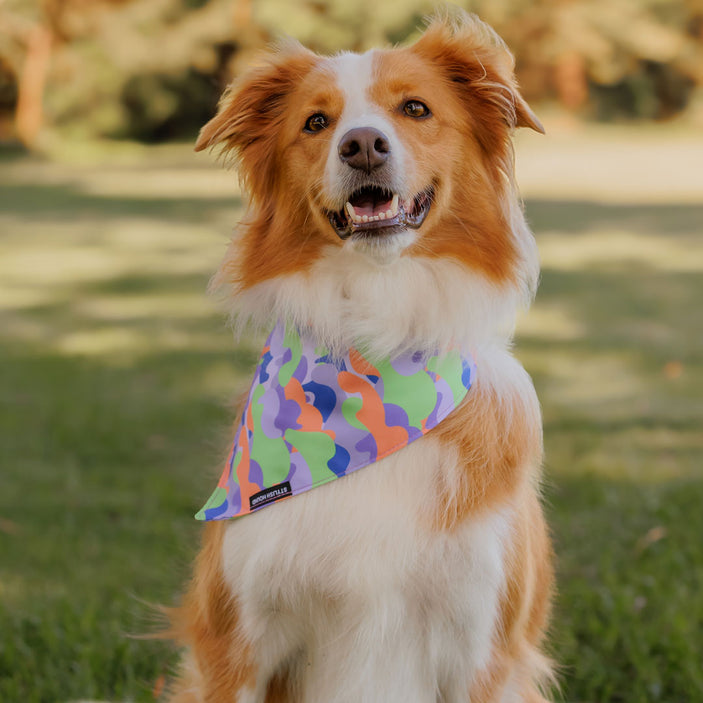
x,y
153,69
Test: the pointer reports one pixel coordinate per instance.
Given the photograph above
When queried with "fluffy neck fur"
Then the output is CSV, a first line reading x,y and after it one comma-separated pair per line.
x,y
347,297
411,303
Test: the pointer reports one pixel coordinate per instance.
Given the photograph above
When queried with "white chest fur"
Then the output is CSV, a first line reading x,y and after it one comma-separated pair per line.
x,y
351,584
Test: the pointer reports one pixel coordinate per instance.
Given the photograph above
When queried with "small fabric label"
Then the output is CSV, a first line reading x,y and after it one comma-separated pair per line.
x,y
270,495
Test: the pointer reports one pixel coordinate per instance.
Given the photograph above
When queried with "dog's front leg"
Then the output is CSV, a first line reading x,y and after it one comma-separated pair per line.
x,y
219,665
371,652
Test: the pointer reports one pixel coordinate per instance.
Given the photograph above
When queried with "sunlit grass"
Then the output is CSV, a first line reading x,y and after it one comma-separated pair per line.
x,y
117,372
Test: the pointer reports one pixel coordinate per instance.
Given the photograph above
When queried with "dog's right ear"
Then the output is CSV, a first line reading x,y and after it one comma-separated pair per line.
x,y
250,106
251,110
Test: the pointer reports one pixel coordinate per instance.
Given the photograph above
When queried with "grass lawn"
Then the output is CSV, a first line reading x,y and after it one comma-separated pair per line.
x,y
116,373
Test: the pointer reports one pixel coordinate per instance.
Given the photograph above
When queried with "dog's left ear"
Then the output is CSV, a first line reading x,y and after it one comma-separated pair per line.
x,y
524,117
477,60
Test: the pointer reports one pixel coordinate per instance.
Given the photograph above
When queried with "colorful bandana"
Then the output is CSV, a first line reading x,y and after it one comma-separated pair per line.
x,y
311,418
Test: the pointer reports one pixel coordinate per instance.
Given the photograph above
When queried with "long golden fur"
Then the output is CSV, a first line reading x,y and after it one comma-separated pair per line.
x,y
457,280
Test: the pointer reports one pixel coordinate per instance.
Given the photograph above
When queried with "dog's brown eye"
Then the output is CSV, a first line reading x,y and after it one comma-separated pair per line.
x,y
414,108
316,123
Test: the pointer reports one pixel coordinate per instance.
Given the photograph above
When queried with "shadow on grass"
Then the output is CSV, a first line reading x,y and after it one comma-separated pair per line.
x,y
13,152
627,306
122,318
132,284
68,202
580,216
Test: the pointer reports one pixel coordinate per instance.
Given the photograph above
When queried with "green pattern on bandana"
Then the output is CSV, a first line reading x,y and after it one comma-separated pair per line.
x,y
312,417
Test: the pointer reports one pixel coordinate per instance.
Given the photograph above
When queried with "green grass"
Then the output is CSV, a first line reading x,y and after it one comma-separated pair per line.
x,y
116,372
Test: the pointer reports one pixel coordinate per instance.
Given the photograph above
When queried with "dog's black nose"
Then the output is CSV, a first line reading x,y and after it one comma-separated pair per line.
x,y
364,148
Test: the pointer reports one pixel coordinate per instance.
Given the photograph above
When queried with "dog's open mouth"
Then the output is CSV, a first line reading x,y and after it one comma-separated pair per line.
x,y
373,211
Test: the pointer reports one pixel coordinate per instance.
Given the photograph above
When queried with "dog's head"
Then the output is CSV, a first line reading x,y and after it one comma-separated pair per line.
x,y
386,155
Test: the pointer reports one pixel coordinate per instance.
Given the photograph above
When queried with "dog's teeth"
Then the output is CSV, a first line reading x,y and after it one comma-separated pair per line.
x,y
388,214
352,213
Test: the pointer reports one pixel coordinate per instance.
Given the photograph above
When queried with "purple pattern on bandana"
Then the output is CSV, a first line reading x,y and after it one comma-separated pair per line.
x,y
311,419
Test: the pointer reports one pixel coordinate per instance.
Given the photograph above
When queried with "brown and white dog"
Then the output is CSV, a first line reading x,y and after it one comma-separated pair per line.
x,y
383,208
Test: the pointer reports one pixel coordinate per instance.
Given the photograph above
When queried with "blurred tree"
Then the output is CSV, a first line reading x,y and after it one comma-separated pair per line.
x,y
23,68
611,53
150,70
153,69
330,25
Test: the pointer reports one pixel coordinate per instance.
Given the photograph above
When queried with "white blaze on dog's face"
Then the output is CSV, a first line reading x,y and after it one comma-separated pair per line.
x,y
368,170
393,153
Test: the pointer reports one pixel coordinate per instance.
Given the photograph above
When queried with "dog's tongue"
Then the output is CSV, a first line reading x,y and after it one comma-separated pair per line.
x,y
370,204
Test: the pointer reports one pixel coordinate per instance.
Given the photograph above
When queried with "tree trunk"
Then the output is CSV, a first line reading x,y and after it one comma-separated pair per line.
x,y
29,113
